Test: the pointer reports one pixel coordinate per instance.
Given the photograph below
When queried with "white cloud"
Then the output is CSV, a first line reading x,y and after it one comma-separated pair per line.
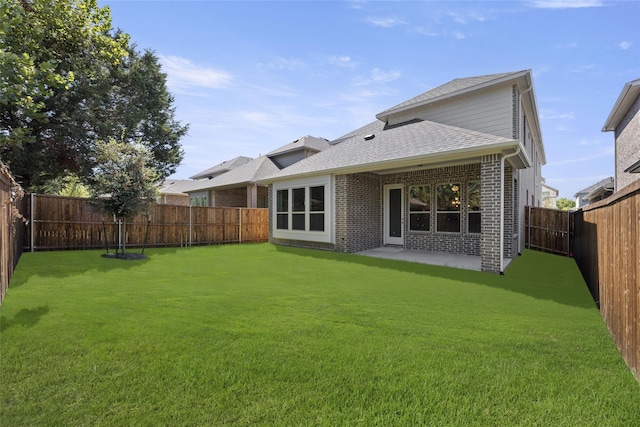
x,y
625,45
565,4
184,76
389,22
464,18
608,152
458,35
586,142
378,76
285,64
550,115
343,61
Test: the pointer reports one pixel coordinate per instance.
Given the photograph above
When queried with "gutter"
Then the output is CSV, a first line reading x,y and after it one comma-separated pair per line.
x,y
515,153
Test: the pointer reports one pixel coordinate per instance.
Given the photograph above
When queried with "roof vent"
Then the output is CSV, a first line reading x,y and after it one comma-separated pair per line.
x,y
369,137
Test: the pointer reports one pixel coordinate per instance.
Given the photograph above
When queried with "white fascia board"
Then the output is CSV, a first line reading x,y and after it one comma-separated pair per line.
x,y
629,93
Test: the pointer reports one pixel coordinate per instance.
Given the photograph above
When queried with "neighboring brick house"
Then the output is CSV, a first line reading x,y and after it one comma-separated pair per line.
x,y
173,192
624,120
237,186
450,170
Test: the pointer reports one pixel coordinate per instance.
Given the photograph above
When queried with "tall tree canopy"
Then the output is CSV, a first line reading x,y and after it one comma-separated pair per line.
x,y
68,80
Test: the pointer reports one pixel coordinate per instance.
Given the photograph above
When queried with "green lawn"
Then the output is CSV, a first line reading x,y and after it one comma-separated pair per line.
x,y
266,335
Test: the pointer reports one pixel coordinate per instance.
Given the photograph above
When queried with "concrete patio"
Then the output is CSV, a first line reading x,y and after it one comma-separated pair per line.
x,y
467,262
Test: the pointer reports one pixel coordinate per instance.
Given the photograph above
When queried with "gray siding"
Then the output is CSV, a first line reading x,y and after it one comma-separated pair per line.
x,y
489,111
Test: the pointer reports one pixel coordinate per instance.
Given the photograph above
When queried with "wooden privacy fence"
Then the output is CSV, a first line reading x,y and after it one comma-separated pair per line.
x,y
74,223
11,227
548,230
606,248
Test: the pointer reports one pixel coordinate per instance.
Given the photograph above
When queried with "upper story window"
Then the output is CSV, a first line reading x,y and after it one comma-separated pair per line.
x,y
420,208
448,208
474,208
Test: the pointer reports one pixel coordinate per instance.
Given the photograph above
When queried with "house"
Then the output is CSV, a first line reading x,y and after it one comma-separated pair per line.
x,y
450,170
173,192
598,191
624,121
549,195
238,187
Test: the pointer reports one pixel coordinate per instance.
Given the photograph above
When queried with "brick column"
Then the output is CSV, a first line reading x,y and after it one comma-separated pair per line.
x,y
252,196
490,200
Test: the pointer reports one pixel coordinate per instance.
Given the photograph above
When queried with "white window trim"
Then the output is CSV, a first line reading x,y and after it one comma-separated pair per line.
x,y
326,236
430,211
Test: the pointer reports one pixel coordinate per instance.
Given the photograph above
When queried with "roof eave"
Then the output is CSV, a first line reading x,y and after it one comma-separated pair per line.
x,y
629,93
471,154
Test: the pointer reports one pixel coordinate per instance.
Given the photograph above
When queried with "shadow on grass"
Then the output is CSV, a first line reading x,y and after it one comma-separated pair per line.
x,y
59,264
25,318
535,274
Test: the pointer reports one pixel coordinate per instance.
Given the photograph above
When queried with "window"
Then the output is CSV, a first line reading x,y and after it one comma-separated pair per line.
x,y
419,208
198,201
448,208
301,209
282,210
474,207
298,208
316,214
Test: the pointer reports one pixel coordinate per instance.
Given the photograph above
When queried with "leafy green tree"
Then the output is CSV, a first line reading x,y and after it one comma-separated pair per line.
x,y
565,204
124,181
68,80
70,186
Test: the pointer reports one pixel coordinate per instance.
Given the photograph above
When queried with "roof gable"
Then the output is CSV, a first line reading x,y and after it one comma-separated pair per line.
x,y
250,172
223,167
627,97
451,89
306,142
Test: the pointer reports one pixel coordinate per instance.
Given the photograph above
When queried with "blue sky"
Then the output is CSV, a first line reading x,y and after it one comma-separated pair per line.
x,y
251,76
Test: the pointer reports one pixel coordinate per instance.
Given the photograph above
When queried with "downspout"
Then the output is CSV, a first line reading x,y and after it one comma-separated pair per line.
x,y
515,153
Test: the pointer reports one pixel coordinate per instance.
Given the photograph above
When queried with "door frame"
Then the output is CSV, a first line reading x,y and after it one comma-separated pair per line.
x,y
387,239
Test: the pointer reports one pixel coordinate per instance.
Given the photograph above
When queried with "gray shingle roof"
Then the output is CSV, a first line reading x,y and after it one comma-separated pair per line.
x,y
412,142
222,167
309,142
448,89
176,186
250,172
589,189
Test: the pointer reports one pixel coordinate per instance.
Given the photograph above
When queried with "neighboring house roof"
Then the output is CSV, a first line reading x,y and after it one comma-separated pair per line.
x,y
306,142
373,147
175,186
248,173
223,167
463,86
629,94
605,183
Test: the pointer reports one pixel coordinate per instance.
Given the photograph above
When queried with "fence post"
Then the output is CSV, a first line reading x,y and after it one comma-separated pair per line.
x,y
529,226
239,225
33,228
190,227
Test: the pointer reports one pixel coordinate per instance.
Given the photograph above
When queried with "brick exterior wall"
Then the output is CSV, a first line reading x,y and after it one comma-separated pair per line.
x,y
490,238
231,198
358,212
627,136
456,243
